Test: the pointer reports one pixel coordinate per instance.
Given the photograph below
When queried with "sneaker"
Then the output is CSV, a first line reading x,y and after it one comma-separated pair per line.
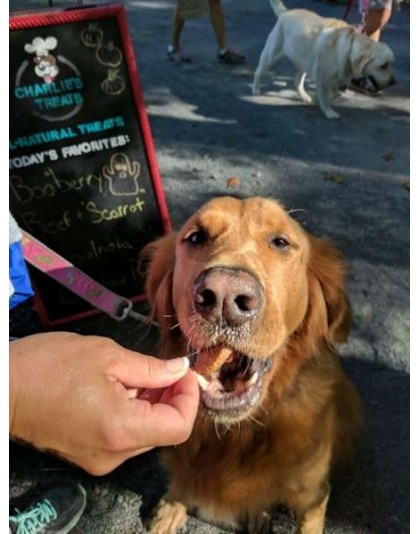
x,y
177,55
363,86
56,512
231,57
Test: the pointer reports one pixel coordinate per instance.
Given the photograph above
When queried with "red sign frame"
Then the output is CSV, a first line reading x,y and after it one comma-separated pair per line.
x,y
88,14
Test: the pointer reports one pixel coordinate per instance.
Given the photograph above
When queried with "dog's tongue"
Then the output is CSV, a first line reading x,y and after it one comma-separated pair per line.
x,y
209,361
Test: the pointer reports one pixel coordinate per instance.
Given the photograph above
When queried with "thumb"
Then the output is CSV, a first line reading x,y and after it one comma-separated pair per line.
x,y
141,371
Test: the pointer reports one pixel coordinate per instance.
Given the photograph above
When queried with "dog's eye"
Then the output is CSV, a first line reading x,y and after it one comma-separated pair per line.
x,y
384,66
198,237
280,243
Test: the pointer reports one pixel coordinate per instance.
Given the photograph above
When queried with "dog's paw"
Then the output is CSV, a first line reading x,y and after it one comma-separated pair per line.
x,y
256,90
331,115
307,99
170,516
304,96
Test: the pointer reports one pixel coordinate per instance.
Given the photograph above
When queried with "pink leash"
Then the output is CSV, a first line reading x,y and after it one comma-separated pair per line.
x,y
64,272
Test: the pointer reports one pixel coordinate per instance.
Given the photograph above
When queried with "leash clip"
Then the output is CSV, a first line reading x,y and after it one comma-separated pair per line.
x,y
122,309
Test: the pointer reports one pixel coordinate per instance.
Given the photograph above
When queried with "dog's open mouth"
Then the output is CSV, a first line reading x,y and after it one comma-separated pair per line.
x,y
229,380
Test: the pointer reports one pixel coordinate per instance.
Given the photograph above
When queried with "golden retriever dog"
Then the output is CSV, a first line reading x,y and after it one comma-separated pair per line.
x,y
257,303
329,51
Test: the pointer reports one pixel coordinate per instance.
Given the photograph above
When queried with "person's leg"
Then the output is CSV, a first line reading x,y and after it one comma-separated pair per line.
x,y
375,21
217,19
174,51
177,26
218,22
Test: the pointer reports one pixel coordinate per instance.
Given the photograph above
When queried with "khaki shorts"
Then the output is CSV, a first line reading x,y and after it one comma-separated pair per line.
x,y
190,9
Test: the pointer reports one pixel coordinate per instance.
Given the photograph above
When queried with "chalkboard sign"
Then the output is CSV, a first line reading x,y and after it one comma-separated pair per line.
x,y
83,177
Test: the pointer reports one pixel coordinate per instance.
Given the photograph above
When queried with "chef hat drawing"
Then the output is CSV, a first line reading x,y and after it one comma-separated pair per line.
x,y
40,46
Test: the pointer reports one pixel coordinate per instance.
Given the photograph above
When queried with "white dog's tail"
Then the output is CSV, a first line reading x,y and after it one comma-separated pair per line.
x,y
278,7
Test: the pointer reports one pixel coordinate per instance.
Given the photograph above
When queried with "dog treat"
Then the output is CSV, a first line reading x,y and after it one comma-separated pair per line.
x,y
209,361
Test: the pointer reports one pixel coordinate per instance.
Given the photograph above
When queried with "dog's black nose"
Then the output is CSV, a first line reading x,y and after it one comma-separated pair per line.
x,y
227,295
392,81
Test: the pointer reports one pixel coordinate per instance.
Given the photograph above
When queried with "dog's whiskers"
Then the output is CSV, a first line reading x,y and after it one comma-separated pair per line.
x,y
217,431
257,421
295,210
189,339
191,351
190,355
248,363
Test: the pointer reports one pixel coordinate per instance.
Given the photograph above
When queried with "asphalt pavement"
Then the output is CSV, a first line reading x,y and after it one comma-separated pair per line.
x,y
347,179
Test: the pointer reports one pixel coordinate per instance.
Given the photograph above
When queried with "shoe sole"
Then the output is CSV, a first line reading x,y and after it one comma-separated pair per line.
x,y
178,59
223,61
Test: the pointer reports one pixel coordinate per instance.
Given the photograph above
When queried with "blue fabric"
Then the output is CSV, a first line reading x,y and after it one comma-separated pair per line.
x,y
19,276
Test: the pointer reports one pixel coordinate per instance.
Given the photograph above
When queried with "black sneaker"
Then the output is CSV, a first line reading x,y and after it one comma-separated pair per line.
x,y
56,512
231,57
177,55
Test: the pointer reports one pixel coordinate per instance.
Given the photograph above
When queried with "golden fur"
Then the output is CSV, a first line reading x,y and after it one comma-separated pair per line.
x,y
305,414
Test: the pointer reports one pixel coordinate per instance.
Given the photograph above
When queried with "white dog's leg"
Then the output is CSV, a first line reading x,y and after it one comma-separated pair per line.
x,y
257,78
270,55
300,87
322,96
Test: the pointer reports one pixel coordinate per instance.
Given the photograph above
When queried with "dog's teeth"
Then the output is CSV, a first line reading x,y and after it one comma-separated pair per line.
x,y
252,380
202,381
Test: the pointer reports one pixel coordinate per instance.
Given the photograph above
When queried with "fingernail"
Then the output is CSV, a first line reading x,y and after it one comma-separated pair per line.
x,y
177,365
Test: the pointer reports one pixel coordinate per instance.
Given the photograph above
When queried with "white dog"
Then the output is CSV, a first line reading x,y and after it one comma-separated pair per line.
x,y
329,51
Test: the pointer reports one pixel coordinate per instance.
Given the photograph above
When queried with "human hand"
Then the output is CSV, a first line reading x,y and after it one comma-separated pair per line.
x,y
95,403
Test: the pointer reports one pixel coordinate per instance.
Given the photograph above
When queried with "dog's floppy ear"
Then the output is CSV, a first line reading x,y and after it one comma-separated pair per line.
x,y
361,54
159,257
327,275
360,64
